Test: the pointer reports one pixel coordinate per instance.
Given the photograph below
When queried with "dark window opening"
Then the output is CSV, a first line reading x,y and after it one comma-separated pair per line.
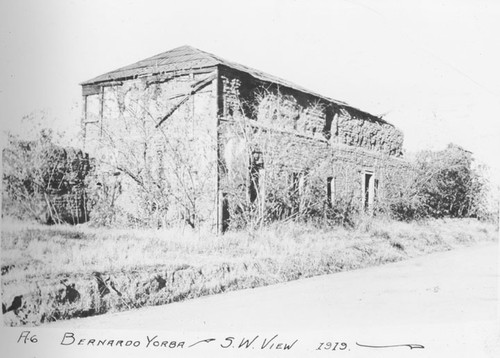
x,y
327,129
225,213
295,121
330,190
255,176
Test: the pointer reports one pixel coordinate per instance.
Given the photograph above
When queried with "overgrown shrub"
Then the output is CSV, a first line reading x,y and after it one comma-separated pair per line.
x,y
341,213
445,184
43,181
450,186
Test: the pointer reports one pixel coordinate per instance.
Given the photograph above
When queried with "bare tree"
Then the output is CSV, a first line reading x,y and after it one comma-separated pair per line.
x,y
151,146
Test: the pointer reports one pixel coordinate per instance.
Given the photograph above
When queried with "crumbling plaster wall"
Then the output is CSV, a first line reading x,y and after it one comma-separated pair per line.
x,y
365,133
316,137
289,110
179,157
286,153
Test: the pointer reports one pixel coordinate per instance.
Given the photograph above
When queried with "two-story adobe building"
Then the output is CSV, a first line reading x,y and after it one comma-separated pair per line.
x,y
199,139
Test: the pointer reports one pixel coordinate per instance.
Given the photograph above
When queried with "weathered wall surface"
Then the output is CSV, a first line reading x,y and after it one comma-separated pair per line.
x,y
301,113
307,145
319,160
241,129
349,164
358,132
172,168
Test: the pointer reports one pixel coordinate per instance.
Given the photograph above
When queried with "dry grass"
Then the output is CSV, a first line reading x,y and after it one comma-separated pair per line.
x,y
150,267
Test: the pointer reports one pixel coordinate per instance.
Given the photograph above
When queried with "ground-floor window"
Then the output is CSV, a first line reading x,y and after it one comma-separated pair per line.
x,y
330,190
256,174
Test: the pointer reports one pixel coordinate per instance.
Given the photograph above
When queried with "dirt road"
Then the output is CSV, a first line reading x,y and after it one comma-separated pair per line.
x,y
454,286
445,304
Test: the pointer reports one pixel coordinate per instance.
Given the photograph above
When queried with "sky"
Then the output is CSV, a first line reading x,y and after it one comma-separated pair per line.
x,y
428,67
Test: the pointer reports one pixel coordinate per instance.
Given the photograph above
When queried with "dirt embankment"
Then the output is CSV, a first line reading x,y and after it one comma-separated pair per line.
x,y
55,274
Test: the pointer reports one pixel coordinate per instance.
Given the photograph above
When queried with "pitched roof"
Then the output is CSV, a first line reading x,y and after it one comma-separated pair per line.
x,y
187,58
180,58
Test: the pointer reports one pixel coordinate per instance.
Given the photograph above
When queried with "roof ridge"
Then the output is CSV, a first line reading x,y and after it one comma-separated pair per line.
x,y
216,58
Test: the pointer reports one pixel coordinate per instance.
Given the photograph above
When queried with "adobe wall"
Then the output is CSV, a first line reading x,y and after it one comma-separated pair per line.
x,y
350,163
320,159
294,111
350,129
175,163
298,133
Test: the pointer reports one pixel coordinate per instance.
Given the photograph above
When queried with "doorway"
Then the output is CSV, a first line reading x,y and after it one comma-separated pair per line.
x,y
368,191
